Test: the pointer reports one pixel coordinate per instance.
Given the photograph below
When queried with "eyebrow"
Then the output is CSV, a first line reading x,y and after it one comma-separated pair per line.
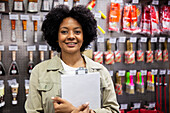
x,y
67,28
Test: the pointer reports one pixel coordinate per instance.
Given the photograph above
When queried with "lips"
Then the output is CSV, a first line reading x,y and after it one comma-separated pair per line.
x,y
71,44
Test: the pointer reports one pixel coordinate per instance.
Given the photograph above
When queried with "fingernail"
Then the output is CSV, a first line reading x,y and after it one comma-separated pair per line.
x,y
87,103
52,97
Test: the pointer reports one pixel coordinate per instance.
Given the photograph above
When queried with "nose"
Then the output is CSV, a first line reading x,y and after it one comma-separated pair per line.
x,y
71,35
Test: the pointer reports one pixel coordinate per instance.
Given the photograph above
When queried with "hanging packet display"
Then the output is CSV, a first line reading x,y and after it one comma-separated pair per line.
x,y
140,83
4,6
18,5
127,18
117,53
165,52
140,53
135,18
109,55
129,54
165,19
98,57
55,3
149,54
45,6
154,20
146,27
115,17
158,53
118,85
33,6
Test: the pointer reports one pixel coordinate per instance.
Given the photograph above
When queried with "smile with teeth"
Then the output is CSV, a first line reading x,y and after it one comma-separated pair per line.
x,y
71,43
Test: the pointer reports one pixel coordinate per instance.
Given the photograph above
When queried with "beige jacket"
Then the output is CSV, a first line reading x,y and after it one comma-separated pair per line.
x,y
45,83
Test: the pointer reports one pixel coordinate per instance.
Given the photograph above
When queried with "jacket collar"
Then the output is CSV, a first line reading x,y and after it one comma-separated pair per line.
x,y
56,65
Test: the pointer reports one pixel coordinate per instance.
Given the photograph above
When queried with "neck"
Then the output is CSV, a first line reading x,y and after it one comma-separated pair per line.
x,y
73,60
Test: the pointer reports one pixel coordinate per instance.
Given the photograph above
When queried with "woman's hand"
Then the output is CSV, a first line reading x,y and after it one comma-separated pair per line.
x,y
82,109
62,106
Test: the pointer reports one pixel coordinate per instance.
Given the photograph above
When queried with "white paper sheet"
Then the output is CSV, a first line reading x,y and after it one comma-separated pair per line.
x,y
79,89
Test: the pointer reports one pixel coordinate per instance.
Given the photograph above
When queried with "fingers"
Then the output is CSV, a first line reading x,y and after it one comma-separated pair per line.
x,y
58,99
91,111
86,110
83,106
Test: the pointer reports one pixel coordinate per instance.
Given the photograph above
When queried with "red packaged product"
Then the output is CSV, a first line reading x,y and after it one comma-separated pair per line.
x,y
115,17
154,21
146,21
165,19
127,18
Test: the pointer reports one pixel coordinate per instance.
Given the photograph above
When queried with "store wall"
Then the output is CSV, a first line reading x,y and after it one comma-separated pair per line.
x,y
22,55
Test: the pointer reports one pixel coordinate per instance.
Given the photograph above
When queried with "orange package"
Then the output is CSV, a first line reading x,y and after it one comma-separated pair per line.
x,y
114,17
135,18
127,18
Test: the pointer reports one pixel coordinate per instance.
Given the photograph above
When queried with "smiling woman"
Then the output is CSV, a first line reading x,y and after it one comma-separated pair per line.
x,y
69,32
70,36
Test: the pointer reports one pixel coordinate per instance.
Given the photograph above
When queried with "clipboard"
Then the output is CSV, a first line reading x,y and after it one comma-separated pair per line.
x,y
81,88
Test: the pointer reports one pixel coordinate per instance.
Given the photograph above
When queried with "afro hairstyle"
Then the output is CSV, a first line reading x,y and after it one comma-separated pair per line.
x,y
54,18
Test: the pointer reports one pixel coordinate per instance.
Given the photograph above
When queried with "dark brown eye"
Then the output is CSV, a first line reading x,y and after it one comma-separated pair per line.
x,y
77,32
64,32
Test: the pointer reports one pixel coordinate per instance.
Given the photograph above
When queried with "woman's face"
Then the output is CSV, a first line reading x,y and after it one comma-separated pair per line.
x,y
70,36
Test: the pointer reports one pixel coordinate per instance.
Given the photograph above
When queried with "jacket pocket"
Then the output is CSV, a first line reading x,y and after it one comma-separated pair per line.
x,y
42,86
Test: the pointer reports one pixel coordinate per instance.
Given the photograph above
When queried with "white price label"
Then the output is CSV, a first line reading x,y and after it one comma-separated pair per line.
x,y
1,47
143,39
132,72
137,105
123,106
100,39
133,39
155,2
97,15
122,39
143,72
162,39
42,47
162,72
168,71
154,39
154,71
24,17
13,17
112,40
36,17
111,73
135,1
2,7
13,48
121,72
151,105
31,48
168,40
118,1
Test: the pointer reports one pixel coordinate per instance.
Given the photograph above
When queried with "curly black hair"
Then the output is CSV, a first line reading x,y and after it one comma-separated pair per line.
x,y
54,18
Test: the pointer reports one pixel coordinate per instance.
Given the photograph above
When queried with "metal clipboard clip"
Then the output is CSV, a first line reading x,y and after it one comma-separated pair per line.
x,y
81,71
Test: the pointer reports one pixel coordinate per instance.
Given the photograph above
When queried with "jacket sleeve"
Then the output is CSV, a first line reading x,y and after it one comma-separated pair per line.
x,y
109,101
33,103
